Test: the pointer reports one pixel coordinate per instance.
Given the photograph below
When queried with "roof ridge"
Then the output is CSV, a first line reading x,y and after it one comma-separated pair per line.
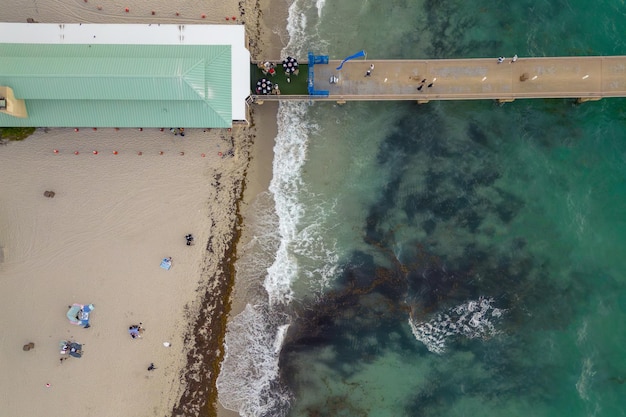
x,y
196,79
208,63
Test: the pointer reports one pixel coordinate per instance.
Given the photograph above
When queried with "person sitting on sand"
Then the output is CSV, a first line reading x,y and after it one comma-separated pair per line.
x,y
189,239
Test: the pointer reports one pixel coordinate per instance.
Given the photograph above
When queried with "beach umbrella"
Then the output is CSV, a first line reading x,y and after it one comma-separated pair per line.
x,y
263,86
290,65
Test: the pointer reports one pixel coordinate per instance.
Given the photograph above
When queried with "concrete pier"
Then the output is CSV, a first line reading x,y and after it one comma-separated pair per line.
x,y
582,78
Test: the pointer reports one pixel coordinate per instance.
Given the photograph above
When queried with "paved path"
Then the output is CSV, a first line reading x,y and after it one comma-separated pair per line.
x,y
585,78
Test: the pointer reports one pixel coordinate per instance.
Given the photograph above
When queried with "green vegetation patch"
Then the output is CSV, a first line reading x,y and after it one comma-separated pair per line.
x,y
15,133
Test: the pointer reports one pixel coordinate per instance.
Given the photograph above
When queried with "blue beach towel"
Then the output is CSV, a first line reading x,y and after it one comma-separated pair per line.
x,y
166,264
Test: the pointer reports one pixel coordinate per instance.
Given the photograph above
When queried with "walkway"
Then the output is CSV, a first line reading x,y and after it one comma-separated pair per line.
x,y
584,78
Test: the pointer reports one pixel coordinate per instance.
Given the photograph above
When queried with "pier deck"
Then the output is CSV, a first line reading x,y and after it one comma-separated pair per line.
x,y
584,78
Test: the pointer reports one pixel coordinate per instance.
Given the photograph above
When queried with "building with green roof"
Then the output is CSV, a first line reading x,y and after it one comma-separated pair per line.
x,y
123,75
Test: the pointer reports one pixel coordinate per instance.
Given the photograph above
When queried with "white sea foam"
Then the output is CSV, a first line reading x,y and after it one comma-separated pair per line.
x,y
302,33
585,379
259,253
286,184
319,4
297,29
246,383
472,319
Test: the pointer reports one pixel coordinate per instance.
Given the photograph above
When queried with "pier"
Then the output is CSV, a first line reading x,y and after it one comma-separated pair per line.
x,y
582,78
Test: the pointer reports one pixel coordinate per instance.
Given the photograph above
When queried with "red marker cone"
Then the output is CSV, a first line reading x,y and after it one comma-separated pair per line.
x,y
126,10
95,152
55,150
114,152
75,152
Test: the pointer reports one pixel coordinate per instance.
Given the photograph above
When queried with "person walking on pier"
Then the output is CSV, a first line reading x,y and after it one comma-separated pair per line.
x,y
369,71
500,60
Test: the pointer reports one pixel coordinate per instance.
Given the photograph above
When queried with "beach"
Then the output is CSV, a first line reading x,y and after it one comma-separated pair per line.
x,y
100,240
123,201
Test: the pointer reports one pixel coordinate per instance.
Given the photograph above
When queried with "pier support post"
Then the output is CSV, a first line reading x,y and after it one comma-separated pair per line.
x,y
422,101
340,102
505,100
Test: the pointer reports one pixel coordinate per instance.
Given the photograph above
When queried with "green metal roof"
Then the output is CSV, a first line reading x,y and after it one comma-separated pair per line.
x,y
119,85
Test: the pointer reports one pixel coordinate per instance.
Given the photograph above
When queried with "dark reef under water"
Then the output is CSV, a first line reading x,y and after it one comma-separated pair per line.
x,y
370,301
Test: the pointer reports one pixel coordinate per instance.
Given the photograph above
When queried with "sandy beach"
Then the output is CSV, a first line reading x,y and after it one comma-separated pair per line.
x,y
115,214
100,240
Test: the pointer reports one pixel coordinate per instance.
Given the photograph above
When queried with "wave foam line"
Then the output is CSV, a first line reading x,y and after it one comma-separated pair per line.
x,y
289,158
246,383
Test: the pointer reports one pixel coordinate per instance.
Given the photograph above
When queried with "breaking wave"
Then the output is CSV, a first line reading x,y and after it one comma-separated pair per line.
x,y
247,383
473,319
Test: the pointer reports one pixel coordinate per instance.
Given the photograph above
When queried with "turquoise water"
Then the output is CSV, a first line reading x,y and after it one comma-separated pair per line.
x,y
448,259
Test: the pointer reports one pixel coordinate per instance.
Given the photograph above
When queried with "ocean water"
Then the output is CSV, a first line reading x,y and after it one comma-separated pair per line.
x,y
447,259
